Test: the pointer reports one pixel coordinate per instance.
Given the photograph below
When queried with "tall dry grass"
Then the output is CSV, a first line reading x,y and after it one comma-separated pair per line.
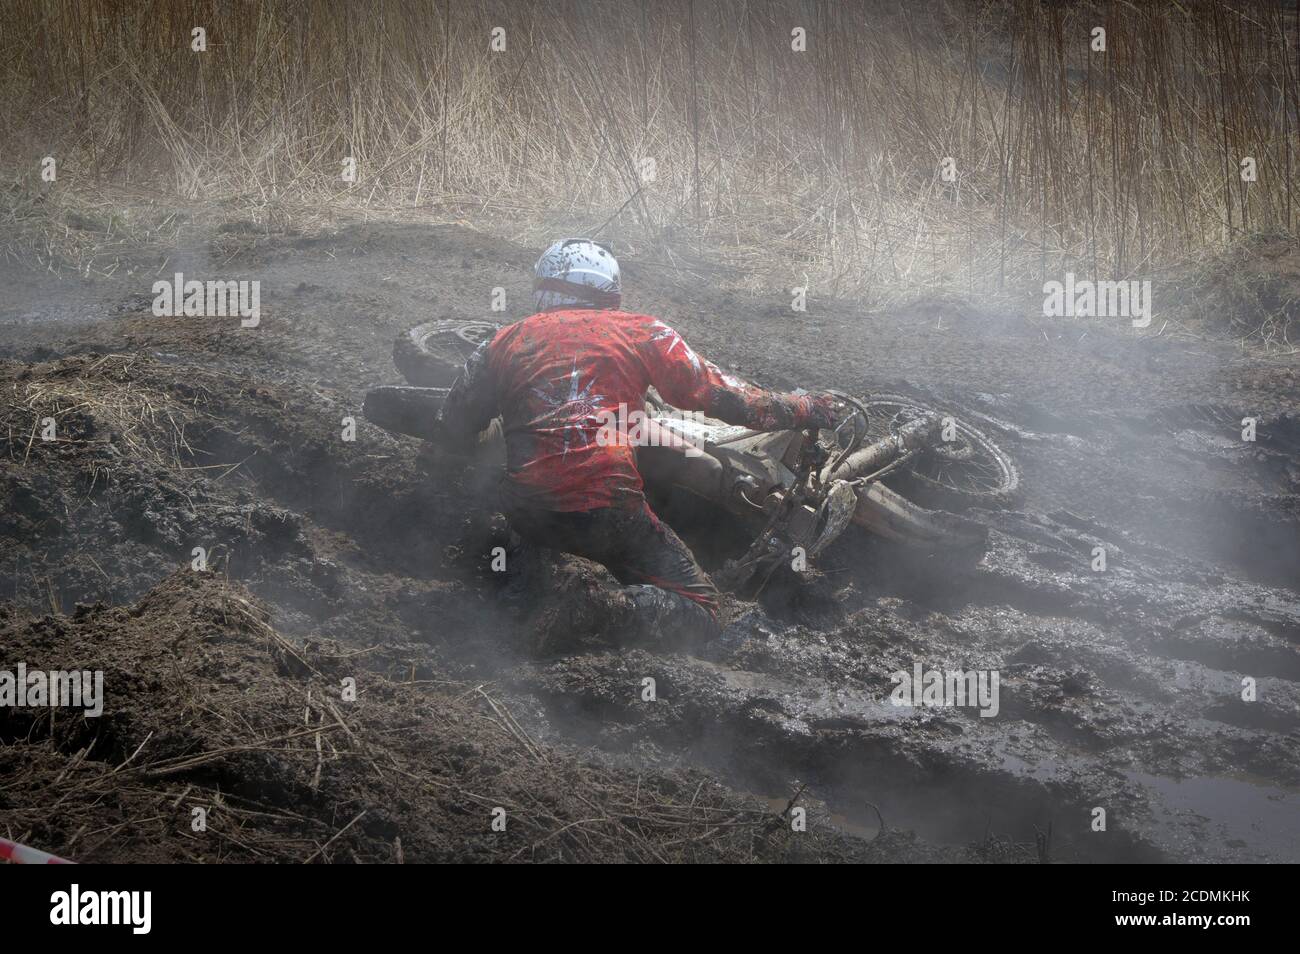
x,y
826,162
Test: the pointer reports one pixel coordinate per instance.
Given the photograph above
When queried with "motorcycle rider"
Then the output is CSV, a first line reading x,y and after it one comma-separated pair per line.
x,y
554,378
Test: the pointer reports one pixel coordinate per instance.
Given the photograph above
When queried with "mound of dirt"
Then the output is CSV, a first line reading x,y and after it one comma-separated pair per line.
x,y
111,464
206,707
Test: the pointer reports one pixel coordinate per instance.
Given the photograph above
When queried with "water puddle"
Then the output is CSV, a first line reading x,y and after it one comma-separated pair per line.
x,y
1260,820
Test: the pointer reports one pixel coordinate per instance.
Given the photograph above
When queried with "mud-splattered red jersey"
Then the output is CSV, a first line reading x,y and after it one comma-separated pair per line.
x,y
555,378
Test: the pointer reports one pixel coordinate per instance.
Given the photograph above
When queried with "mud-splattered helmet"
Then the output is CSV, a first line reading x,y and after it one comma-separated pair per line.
x,y
577,273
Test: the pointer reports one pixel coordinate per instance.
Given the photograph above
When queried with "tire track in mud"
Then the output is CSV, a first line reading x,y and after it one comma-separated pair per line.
x,y
1100,706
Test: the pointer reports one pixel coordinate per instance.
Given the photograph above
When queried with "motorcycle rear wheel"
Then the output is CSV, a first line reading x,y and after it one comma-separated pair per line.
x,y
431,355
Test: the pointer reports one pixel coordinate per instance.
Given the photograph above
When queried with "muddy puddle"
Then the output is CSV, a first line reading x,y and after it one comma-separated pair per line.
x,y
1260,820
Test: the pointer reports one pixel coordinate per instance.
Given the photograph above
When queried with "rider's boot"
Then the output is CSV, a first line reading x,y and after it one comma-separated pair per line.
x,y
588,612
668,620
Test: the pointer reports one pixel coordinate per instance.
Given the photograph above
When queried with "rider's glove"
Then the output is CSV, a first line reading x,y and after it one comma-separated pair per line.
x,y
826,411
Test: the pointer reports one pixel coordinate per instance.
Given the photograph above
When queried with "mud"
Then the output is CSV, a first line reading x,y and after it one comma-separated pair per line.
x,y
1121,689
225,743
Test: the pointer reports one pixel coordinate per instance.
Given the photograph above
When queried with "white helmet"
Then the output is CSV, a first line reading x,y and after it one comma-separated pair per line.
x,y
577,273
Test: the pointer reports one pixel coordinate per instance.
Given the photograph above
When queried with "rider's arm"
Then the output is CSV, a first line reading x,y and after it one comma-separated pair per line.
x,y
690,382
470,405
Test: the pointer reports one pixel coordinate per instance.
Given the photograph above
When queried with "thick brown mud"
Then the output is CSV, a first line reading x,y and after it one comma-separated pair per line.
x,y
1121,688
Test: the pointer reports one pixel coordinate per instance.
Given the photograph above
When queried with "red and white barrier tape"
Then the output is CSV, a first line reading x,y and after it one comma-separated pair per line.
x,y
22,855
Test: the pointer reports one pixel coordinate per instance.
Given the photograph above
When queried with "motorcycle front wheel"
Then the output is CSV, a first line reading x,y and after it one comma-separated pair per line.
x,y
967,469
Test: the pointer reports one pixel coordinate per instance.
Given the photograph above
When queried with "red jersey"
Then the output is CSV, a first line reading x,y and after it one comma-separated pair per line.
x,y
557,377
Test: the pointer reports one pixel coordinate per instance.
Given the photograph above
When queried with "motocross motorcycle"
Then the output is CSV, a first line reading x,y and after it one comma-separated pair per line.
x,y
895,467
